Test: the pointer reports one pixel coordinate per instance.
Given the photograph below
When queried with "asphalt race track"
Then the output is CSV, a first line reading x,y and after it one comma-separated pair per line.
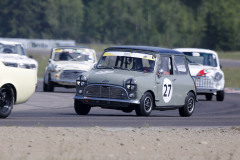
x,y
56,110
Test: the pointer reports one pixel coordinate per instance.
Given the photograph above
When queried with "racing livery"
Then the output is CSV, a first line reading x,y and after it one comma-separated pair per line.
x,y
139,78
206,71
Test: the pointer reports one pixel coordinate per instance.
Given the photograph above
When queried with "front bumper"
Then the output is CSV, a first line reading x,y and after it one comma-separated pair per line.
x,y
65,82
202,90
106,101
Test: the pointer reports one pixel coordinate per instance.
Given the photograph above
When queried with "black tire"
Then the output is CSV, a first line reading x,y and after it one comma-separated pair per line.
x,y
189,106
128,109
80,108
208,97
44,86
220,95
146,105
50,85
6,101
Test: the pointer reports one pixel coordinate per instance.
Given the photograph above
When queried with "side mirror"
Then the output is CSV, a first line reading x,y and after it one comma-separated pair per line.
x,y
220,66
49,60
160,72
30,56
95,66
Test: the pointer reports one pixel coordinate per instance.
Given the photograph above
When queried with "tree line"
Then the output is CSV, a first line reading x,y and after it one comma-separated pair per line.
x,y
213,24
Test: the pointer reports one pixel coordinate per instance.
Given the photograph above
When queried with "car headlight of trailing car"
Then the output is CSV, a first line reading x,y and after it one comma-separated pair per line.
x,y
81,80
218,76
10,64
131,84
56,68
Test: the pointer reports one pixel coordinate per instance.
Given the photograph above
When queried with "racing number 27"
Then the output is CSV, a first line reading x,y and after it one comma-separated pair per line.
x,y
167,90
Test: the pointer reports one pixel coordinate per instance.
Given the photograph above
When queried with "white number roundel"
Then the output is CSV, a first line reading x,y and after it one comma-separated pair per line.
x,y
167,90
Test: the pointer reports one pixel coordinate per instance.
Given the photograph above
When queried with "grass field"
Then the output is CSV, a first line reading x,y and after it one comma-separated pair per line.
x,y
232,79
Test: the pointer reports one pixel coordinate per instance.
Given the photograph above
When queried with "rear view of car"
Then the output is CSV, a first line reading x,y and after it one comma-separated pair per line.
x,y
206,71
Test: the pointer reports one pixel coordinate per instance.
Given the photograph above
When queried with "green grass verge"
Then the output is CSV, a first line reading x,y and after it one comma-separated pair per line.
x,y
229,55
42,63
232,77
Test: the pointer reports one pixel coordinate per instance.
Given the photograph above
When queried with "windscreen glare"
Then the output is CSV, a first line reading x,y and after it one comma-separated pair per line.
x,y
11,49
205,59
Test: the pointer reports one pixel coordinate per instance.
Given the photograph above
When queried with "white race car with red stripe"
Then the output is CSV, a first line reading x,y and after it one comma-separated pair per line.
x,y
206,71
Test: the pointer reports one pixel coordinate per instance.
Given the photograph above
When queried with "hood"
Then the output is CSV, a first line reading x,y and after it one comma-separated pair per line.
x,y
74,65
197,69
114,77
19,59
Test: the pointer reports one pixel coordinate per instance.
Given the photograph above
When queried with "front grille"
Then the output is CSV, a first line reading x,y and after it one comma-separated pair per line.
x,y
203,81
105,91
70,74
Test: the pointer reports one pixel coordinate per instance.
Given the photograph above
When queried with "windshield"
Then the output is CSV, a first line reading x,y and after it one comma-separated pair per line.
x,y
73,54
127,61
205,59
11,49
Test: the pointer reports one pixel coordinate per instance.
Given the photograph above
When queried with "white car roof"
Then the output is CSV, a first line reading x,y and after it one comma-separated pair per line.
x,y
195,50
10,42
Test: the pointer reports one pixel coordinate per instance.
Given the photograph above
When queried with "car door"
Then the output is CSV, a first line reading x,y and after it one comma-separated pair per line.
x,y
165,81
182,79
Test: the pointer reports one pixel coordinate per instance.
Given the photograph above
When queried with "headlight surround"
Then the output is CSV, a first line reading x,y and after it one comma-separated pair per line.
x,y
10,64
56,68
81,80
131,84
218,76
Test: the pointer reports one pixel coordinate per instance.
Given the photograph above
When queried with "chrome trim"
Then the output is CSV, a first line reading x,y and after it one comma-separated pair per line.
x,y
107,99
108,85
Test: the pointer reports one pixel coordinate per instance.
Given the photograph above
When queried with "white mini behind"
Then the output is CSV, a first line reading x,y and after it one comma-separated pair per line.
x,y
65,64
206,71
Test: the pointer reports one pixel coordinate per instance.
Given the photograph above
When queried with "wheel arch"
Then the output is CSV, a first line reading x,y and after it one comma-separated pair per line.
x,y
195,95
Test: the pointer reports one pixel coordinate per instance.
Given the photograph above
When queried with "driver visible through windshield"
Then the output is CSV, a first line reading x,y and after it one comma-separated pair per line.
x,y
73,54
127,61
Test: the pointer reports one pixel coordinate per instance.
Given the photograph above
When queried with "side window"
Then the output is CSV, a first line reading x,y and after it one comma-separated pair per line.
x,y
180,65
165,66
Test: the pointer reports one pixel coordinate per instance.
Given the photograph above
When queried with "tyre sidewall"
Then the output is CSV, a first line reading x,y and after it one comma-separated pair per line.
x,y
11,101
141,108
184,111
80,108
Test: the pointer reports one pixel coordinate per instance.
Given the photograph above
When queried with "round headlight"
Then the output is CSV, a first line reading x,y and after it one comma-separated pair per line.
x,y
131,84
218,76
81,80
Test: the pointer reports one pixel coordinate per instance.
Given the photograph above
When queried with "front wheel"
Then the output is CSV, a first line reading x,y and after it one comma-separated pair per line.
x,y
220,95
208,97
50,85
80,108
146,105
6,101
189,106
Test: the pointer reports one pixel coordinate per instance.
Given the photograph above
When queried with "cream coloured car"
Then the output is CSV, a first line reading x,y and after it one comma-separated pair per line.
x,y
16,86
65,64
